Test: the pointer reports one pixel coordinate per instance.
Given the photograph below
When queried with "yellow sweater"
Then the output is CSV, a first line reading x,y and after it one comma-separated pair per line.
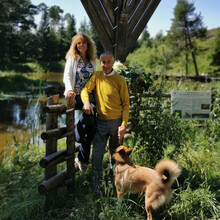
x,y
112,97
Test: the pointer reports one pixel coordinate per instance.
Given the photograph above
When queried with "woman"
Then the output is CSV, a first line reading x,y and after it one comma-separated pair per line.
x,y
80,66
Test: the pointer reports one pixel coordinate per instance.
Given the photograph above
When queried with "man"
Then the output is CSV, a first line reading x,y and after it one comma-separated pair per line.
x,y
112,105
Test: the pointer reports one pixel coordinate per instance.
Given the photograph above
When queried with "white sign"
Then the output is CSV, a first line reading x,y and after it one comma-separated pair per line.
x,y
191,105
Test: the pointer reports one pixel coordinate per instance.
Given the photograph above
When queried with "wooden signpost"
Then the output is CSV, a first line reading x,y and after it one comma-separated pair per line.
x,y
119,23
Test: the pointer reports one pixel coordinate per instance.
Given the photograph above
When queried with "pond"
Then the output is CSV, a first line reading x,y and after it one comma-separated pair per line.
x,y
22,120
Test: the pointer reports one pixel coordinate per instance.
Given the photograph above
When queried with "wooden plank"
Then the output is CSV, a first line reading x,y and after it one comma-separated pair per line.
x,y
120,38
133,36
109,6
131,5
52,183
59,109
70,147
54,158
51,144
137,14
121,45
56,133
100,22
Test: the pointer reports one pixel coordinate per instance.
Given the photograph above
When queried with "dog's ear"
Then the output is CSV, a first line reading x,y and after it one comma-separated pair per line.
x,y
129,150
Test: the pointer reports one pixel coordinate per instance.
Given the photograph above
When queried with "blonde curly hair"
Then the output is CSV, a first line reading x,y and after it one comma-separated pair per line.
x,y
91,49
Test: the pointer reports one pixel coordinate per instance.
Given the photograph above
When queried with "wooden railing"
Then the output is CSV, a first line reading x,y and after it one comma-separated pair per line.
x,y
52,180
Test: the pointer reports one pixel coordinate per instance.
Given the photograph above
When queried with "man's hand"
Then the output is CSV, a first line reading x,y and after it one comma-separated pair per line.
x,y
87,108
121,131
71,96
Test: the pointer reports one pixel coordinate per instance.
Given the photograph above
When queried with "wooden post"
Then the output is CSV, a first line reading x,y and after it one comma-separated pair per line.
x,y
51,184
70,143
51,143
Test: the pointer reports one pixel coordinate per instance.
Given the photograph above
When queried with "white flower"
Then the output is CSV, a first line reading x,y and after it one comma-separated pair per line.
x,y
118,66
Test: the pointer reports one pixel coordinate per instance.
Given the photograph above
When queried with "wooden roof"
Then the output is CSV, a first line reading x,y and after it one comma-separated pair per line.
x,y
119,23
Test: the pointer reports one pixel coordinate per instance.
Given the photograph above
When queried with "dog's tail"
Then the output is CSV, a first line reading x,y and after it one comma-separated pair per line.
x,y
169,171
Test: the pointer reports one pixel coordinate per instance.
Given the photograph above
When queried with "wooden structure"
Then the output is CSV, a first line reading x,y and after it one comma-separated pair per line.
x,y
119,23
53,157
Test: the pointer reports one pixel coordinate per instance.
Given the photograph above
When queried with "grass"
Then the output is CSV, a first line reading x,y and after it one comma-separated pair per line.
x,y
34,67
15,83
196,193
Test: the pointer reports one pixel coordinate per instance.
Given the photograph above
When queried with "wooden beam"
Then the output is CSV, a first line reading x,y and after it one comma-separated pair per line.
x,y
51,144
137,13
109,6
70,146
100,22
56,133
58,109
52,183
54,158
135,33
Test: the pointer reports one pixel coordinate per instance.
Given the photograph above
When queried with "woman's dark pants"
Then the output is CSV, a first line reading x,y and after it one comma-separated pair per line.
x,y
84,130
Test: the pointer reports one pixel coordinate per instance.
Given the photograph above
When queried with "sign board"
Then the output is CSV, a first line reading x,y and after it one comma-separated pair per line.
x,y
191,105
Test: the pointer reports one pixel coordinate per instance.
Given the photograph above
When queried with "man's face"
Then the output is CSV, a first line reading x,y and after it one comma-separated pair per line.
x,y
107,64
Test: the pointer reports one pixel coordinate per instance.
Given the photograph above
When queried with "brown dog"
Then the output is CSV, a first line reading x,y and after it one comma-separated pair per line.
x,y
155,183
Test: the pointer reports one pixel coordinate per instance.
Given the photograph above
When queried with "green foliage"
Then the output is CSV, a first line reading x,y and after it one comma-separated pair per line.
x,y
17,83
138,80
161,58
37,67
154,129
22,41
19,175
195,204
16,19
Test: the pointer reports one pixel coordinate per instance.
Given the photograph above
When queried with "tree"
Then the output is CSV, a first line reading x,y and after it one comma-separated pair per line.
x,y
88,29
145,39
85,28
71,27
186,24
47,36
16,16
216,54
97,41
54,15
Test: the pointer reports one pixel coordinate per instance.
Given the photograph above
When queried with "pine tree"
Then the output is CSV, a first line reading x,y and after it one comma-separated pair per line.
x,y
71,27
16,17
186,24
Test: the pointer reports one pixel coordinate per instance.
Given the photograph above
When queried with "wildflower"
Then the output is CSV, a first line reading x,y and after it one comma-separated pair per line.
x,y
118,66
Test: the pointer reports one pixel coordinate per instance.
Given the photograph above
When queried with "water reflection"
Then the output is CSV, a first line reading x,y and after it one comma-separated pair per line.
x,y
22,120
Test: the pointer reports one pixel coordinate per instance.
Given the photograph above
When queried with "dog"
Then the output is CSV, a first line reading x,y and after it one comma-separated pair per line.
x,y
156,183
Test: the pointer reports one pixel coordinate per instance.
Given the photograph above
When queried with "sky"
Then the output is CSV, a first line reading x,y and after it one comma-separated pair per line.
x,y
160,20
